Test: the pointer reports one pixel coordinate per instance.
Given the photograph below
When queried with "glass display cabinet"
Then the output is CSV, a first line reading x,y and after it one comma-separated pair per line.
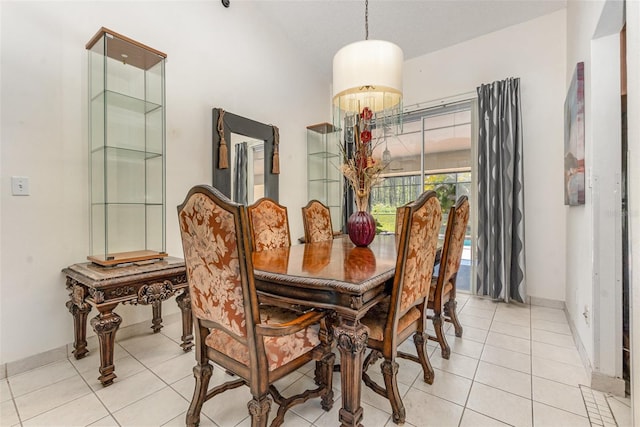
x,y
126,149
324,177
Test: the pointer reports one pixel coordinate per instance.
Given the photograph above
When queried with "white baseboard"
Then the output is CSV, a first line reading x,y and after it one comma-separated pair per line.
x,y
65,351
36,361
599,381
544,302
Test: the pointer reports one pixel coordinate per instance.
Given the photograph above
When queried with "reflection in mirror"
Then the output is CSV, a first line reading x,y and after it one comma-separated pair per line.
x,y
261,172
247,169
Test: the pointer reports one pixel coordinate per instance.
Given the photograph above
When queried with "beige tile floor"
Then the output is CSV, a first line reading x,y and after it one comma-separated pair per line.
x,y
515,365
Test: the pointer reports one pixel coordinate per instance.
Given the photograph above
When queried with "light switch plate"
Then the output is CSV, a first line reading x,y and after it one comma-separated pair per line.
x,y
20,185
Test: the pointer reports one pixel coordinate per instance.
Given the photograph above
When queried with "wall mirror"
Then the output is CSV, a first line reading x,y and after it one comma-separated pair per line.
x,y
249,148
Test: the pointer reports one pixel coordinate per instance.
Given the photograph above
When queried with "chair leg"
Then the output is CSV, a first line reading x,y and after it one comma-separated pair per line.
x,y
259,410
437,325
202,373
327,381
390,373
326,338
420,340
450,310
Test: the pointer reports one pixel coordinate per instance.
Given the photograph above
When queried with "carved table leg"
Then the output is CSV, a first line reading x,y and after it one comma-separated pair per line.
x,y
80,314
106,325
79,308
156,323
184,302
352,340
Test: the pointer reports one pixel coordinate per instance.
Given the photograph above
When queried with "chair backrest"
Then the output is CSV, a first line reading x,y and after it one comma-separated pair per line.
x,y
416,252
454,239
316,218
399,217
218,262
269,225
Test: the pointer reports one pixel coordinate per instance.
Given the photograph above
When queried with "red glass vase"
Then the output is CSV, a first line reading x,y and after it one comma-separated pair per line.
x,y
362,228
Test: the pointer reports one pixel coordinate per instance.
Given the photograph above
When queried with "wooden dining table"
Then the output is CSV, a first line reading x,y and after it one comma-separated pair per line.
x,y
338,276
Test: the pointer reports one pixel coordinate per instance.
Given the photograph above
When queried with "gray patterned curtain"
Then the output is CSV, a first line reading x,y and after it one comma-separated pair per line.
x,y
501,258
240,190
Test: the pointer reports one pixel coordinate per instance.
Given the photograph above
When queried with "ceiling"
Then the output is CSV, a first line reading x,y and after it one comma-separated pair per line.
x,y
318,28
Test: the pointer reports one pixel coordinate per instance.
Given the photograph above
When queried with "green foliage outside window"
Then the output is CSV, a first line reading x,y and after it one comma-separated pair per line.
x,y
444,188
399,190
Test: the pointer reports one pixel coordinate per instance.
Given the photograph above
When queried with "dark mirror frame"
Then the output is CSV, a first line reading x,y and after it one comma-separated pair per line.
x,y
241,125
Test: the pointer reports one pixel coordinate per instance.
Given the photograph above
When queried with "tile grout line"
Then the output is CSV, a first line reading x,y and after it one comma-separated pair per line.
x,y
473,380
531,362
466,401
93,391
13,400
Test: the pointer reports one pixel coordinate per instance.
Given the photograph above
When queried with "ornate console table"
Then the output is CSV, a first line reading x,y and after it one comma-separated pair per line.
x,y
104,288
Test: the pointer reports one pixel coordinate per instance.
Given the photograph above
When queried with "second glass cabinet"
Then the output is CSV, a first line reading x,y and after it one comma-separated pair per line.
x,y
324,178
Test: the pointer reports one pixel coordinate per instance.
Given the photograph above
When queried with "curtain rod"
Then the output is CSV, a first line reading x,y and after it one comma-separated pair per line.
x,y
441,102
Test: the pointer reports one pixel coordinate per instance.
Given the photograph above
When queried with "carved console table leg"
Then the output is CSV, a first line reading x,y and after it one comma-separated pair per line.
x,y
184,302
352,340
80,314
106,325
79,309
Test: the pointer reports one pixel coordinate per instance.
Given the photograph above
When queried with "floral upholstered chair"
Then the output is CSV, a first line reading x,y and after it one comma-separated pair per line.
x,y
268,225
443,285
403,313
257,343
316,218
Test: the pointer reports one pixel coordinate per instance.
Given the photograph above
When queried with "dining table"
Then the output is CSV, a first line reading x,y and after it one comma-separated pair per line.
x,y
344,279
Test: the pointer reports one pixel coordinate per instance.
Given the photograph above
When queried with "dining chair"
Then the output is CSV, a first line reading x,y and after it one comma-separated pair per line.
x,y
442,293
256,343
268,225
403,313
316,218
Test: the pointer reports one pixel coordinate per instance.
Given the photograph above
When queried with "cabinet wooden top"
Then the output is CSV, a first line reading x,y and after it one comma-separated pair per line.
x,y
122,48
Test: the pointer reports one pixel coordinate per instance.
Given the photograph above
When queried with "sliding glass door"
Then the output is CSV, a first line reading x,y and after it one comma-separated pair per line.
x,y
434,152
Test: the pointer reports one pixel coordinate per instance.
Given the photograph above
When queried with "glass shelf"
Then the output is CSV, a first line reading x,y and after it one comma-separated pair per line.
x,y
324,155
131,152
324,180
125,102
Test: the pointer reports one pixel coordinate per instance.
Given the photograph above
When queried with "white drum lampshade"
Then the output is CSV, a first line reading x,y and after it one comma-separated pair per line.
x,y
368,73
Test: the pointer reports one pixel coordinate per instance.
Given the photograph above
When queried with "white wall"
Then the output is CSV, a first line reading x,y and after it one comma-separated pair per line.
x,y
535,52
633,91
606,205
217,57
594,235
582,18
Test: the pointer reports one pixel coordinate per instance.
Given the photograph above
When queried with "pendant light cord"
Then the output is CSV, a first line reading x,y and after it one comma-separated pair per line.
x,y
366,19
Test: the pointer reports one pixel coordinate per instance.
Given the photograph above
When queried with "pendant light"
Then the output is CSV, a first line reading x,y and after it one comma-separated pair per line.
x,y
368,74
386,154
